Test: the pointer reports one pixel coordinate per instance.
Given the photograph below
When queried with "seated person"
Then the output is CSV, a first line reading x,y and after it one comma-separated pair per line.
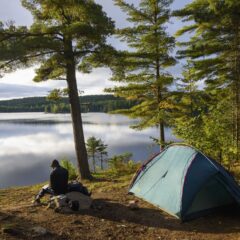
x,y
58,182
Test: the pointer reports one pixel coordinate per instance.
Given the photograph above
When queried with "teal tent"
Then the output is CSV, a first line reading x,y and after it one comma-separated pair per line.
x,y
185,183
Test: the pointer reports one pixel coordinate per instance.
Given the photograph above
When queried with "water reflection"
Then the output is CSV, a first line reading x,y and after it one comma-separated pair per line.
x,y
29,141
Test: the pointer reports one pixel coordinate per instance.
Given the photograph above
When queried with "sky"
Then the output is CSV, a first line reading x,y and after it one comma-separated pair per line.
x,y
19,84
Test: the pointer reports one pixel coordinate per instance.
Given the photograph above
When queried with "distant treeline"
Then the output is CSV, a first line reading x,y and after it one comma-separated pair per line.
x,y
90,103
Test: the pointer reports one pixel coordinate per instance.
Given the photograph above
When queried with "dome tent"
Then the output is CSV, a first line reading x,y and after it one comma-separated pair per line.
x,y
185,183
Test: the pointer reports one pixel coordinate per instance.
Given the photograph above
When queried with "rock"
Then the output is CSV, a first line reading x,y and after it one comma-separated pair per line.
x,y
4,217
132,205
12,231
32,211
77,222
99,207
121,226
39,231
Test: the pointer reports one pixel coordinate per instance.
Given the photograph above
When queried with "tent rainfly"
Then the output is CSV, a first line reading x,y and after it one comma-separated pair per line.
x,y
185,183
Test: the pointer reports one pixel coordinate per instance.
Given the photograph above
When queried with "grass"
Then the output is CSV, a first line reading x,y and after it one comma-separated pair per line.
x,y
104,181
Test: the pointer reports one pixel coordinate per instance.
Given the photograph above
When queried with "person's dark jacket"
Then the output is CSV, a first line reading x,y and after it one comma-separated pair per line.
x,y
59,180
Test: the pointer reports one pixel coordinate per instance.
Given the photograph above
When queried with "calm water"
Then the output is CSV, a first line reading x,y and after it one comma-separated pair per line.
x,y
29,142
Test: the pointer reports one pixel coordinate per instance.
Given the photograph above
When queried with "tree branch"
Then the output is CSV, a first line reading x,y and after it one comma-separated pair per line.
x,y
27,56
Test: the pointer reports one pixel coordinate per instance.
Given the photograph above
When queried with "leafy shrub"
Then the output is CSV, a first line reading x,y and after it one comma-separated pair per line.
x,y
121,164
72,171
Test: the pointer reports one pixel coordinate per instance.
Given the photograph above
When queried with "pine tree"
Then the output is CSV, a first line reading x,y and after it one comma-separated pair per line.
x,y
214,49
92,149
64,33
142,70
102,151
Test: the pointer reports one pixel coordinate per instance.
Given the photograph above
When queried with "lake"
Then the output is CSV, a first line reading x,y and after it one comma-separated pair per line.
x,y
30,141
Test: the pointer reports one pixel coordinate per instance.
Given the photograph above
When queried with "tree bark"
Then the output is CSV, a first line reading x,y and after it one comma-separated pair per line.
x,y
94,163
237,91
159,99
159,94
101,159
74,101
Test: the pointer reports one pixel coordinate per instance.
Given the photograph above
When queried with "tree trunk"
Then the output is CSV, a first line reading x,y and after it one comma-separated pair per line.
x,y
237,91
74,101
159,94
162,136
94,163
101,159
159,99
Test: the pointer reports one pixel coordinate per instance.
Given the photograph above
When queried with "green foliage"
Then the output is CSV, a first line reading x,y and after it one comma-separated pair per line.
x,y
213,124
89,103
72,171
102,152
96,149
57,94
92,145
142,70
208,127
120,165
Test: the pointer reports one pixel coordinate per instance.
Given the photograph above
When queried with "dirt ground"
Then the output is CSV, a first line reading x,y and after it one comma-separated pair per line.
x,y
111,219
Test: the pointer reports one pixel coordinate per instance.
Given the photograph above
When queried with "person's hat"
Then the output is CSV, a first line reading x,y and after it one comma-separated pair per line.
x,y
54,163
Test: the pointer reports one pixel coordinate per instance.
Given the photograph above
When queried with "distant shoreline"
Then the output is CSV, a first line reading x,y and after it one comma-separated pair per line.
x,y
89,103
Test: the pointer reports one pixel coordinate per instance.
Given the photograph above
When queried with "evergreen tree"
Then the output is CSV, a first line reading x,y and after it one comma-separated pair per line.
x,y
92,149
214,49
102,151
142,69
63,34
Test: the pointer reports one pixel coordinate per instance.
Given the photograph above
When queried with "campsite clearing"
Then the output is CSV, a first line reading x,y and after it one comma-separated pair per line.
x,y
111,218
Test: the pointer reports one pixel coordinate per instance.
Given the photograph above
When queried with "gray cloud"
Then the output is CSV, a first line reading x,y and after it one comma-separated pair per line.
x,y
8,91
91,84
12,10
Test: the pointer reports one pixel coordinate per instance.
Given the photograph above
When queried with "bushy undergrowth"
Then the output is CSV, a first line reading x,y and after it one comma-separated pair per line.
x,y
72,171
118,165
122,164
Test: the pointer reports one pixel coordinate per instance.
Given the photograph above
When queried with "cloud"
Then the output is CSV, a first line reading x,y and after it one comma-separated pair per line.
x,y
19,84
8,91
13,11
95,82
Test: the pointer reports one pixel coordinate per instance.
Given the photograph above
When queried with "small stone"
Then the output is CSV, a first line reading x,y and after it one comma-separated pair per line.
x,y
77,222
99,207
39,231
4,217
12,231
32,210
122,226
132,205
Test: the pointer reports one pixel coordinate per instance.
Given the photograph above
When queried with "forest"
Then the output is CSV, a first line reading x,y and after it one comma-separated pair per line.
x,y
89,103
